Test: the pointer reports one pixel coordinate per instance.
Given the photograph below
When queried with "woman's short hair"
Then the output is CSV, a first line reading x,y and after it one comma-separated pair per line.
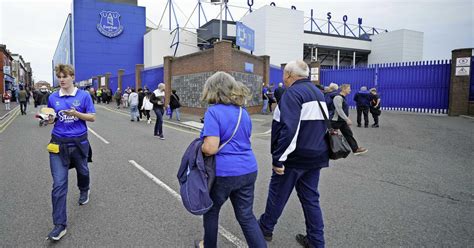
x,y
223,88
66,70
298,68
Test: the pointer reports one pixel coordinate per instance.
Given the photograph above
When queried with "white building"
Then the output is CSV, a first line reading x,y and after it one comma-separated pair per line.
x,y
280,33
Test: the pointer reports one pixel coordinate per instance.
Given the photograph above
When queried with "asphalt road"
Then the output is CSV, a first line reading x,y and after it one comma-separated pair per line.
x,y
413,188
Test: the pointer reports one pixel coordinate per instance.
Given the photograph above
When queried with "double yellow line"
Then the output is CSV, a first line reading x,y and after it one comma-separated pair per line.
x,y
13,114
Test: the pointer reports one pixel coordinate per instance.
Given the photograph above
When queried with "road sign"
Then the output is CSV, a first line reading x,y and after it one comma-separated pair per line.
x,y
465,61
245,36
462,71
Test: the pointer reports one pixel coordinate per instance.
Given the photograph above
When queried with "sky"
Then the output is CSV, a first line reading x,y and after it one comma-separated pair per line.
x,y
32,27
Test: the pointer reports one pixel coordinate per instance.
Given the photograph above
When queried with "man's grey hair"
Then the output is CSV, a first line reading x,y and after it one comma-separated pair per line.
x,y
161,86
297,68
280,85
363,88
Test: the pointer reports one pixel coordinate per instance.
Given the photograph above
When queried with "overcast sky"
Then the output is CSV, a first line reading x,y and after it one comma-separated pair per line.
x,y
32,27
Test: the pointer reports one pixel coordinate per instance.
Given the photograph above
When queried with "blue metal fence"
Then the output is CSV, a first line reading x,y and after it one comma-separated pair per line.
x,y
412,86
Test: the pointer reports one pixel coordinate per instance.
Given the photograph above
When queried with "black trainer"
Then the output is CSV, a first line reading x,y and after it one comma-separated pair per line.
x,y
266,235
302,240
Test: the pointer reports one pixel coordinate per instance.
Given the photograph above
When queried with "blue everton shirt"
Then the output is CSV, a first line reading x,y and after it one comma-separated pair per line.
x,y
68,126
236,158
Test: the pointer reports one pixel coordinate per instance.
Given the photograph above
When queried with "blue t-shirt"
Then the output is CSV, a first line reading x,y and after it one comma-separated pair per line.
x,y
67,126
236,158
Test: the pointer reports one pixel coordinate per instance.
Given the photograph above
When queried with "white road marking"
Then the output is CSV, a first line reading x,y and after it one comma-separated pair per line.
x,y
98,136
224,232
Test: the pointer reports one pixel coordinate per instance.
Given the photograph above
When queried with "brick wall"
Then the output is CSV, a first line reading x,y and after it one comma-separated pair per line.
x,y
459,87
187,74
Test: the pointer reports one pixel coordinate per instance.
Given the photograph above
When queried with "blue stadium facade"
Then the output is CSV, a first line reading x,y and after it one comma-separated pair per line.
x,y
101,36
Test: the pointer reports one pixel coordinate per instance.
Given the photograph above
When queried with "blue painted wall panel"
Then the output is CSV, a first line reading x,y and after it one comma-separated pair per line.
x,y
96,54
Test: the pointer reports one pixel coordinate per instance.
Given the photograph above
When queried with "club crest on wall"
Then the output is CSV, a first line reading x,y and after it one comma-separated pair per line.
x,y
109,24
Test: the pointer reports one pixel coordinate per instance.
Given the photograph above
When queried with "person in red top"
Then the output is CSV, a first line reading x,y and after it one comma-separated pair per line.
x,y
7,96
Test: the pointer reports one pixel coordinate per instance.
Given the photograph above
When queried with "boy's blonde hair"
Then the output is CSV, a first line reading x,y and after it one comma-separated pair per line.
x,y
67,70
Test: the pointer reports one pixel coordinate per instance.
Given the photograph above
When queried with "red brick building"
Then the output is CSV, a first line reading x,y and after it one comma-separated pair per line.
x,y
6,79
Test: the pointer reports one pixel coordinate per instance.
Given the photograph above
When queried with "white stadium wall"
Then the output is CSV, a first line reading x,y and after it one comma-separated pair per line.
x,y
396,46
278,33
336,41
158,42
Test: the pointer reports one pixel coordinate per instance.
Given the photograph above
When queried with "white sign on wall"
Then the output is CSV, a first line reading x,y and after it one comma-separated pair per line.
x,y
462,71
6,69
465,61
314,77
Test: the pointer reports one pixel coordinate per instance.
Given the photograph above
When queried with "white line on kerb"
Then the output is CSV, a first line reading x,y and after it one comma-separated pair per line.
x,y
98,136
225,233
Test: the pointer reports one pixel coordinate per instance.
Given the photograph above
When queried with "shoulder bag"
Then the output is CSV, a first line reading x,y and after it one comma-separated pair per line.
x,y
338,146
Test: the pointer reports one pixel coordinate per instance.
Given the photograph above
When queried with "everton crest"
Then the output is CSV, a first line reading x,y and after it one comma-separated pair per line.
x,y
109,24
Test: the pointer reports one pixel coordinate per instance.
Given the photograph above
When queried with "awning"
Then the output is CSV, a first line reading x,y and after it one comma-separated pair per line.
x,y
9,78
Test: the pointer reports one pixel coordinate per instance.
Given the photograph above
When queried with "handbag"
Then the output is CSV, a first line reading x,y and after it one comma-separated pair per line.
x,y
338,146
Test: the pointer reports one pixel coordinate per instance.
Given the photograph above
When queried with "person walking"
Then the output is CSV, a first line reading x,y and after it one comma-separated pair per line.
x,y
43,96
279,92
125,98
7,96
175,105
158,100
329,95
141,95
133,101
341,120
362,99
69,145
118,97
147,107
99,94
375,106
22,99
271,98
265,100
236,166
299,151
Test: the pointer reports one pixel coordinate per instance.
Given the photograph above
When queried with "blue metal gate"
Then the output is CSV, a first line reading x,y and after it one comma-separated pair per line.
x,y
412,86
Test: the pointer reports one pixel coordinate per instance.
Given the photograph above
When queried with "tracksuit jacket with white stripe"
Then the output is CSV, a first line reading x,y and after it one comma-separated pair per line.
x,y
298,128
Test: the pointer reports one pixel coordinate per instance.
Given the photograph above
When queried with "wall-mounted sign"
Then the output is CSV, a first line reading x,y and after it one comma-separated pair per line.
x,y
249,67
6,69
466,61
462,71
109,24
245,37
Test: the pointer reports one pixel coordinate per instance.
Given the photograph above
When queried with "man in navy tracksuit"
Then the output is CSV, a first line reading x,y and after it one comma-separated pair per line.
x,y
299,151
362,99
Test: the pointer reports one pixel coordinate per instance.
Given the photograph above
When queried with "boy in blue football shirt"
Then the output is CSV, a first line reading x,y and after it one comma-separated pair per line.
x,y
69,146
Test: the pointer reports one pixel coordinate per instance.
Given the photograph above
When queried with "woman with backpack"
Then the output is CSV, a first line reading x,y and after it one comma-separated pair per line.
x,y
227,122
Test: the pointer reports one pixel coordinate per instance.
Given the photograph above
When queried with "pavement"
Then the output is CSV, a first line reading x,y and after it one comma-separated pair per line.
x,y
412,189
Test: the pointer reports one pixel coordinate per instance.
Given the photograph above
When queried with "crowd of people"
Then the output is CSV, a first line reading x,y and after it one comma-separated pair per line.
x,y
299,149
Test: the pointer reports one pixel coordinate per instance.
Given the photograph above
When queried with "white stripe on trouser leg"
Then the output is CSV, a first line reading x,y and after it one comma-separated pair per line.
x,y
225,233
